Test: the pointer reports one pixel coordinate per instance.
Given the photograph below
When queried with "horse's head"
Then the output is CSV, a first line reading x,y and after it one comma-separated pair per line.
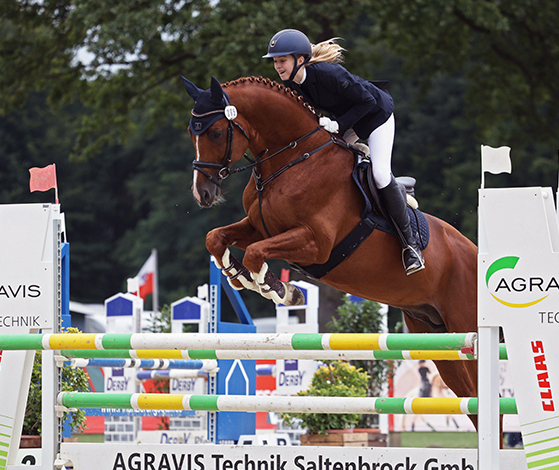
x,y
212,129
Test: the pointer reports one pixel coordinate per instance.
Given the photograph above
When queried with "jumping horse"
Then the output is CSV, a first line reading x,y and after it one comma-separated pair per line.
x,y
302,201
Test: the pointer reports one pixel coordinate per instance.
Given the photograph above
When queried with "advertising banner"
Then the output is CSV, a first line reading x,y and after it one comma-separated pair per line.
x,y
224,457
518,287
29,288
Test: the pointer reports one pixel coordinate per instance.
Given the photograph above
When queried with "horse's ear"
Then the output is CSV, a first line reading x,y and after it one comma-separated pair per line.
x,y
216,91
191,89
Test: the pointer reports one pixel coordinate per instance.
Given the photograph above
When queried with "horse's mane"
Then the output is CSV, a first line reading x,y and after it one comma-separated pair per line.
x,y
274,86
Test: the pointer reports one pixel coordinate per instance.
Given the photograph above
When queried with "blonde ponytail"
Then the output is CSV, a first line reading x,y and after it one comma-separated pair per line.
x,y
327,51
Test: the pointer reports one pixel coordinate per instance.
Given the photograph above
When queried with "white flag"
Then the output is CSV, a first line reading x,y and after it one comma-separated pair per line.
x,y
495,160
133,285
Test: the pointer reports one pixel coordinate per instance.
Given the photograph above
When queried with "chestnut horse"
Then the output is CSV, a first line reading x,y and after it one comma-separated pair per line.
x,y
302,201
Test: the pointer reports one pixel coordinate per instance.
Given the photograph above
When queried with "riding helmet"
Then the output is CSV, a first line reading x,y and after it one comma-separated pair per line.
x,y
289,42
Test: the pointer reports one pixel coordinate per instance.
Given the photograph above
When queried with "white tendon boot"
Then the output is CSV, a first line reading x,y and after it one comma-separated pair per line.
x,y
279,292
234,270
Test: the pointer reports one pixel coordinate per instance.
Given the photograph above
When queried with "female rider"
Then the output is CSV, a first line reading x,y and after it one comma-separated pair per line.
x,y
358,110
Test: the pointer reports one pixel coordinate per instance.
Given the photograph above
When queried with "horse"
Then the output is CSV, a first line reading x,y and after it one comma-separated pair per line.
x,y
301,201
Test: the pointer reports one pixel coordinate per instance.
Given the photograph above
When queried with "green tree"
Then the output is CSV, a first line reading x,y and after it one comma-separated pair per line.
x,y
508,51
101,80
111,77
120,57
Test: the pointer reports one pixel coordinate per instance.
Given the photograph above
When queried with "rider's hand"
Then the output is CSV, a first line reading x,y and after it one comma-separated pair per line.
x,y
329,125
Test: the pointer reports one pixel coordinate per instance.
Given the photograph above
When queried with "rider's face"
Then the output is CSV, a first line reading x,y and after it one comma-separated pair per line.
x,y
284,66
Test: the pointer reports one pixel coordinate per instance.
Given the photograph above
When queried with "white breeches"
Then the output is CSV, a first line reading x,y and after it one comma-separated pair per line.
x,y
380,143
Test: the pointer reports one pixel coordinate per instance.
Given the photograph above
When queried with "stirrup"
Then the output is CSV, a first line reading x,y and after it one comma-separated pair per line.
x,y
418,264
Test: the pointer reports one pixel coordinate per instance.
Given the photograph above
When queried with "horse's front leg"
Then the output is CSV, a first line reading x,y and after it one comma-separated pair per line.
x,y
240,234
297,245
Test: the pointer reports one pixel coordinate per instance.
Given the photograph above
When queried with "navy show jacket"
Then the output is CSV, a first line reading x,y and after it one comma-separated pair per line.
x,y
350,100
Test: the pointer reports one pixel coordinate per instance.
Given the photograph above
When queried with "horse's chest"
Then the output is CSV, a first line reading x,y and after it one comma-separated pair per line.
x,y
277,212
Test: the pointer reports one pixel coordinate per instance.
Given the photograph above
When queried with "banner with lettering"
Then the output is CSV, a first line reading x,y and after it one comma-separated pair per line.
x,y
518,285
28,285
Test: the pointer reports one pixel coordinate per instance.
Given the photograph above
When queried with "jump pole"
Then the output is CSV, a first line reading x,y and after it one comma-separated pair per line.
x,y
271,354
239,341
205,365
279,404
127,456
266,355
159,374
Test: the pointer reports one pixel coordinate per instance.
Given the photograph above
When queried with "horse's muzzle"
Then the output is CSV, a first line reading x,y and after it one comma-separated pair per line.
x,y
207,194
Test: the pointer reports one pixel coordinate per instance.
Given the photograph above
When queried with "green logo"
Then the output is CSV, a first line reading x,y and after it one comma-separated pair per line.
x,y
508,262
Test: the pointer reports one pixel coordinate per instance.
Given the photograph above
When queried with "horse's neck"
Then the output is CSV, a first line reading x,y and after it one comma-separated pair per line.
x,y
277,120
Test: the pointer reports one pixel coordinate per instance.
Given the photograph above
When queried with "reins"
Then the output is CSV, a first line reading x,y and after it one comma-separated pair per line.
x,y
259,184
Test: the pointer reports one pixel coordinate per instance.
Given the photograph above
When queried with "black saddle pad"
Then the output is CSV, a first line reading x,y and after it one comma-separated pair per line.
x,y
418,222
419,226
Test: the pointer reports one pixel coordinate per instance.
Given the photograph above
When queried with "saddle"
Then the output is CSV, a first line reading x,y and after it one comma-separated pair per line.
x,y
373,217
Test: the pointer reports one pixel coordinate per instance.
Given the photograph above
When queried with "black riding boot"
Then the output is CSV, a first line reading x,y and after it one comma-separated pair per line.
x,y
395,203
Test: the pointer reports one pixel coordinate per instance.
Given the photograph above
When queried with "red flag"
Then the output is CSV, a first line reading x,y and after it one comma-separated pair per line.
x,y
146,277
43,179
147,287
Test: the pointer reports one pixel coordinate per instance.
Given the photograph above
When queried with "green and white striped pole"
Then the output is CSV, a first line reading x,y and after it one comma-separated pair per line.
x,y
291,404
239,341
233,354
271,354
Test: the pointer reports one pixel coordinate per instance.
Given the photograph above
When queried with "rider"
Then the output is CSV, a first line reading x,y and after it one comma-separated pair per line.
x,y
357,109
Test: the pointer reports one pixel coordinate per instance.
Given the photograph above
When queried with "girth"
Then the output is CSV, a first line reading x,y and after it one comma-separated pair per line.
x,y
346,247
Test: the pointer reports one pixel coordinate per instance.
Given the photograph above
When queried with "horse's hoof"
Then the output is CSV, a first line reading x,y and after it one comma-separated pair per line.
x,y
284,294
295,295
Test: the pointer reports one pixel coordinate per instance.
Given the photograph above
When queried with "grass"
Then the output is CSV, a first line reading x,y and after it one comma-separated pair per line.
x,y
439,439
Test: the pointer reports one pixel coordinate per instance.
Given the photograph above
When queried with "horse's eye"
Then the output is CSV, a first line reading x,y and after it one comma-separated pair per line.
x,y
215,134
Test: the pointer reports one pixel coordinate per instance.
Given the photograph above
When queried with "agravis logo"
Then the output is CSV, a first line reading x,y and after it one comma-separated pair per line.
x,y
518,284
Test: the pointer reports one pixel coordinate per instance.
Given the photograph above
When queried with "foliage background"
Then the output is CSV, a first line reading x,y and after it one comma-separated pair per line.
x,y
334,379
94,86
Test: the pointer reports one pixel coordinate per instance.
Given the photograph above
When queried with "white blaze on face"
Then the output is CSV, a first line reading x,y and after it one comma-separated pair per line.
x,y
195,177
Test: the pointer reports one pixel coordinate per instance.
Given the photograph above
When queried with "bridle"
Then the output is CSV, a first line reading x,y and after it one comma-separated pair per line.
x,y
230,113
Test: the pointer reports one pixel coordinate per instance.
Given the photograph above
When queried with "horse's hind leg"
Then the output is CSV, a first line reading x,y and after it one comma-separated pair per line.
x,y
457,376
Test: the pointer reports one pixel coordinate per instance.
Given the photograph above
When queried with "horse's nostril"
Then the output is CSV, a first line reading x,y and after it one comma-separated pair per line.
x,y
206,197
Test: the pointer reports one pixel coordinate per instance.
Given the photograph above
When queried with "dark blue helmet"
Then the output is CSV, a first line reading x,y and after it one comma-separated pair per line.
x,y
289,42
